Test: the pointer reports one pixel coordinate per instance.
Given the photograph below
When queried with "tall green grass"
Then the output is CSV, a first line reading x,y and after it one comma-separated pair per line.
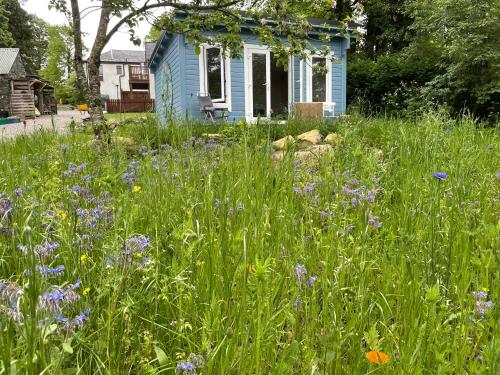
x,y
227,229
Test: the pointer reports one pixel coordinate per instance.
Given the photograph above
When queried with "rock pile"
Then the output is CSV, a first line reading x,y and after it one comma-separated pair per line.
x,y
309,145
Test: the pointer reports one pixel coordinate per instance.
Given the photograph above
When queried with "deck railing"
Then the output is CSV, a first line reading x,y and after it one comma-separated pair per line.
x,y
138,73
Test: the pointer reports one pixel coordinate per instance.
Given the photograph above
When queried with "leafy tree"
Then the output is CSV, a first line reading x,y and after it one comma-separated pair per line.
x,y
59,63
464,38
29,34
68,91
387,26
6,39
59,54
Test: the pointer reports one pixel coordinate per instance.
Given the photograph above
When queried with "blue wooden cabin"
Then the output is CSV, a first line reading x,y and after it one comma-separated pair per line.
x,y
253,86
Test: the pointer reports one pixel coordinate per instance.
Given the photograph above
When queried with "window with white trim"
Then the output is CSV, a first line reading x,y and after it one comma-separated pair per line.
x,y
319,79
214,74
119,70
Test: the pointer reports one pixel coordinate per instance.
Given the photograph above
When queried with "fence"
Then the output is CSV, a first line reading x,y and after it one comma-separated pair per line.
x,y
122,106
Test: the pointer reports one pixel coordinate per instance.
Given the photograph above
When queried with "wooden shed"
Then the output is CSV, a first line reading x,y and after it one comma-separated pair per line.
x,y
20,93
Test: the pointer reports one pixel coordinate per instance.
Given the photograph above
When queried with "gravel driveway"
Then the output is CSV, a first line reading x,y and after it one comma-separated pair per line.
x,y
61,122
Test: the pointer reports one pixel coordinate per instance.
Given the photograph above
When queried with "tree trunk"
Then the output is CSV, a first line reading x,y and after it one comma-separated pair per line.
x,y
94,94
81,78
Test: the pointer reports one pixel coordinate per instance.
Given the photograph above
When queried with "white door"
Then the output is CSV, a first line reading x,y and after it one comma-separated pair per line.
x,y
258,82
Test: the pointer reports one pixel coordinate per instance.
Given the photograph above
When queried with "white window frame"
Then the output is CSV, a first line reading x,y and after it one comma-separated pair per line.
x,y
329,83
225,101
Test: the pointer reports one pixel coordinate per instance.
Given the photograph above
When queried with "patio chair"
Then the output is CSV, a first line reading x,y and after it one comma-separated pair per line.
x,y
208,109
329,110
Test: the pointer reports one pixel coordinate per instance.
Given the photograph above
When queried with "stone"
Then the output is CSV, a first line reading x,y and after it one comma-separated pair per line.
x,y
126,141
278,156
310,138
113,121
333,138
214,136
320,149
283,143
303,155
378,152
313,152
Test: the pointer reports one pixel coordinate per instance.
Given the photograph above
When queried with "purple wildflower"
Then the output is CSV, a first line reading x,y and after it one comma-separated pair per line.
x,y
12,314
353,182
309,188
17,192
300,272
298,304
440,175
135,246
374,222
51,272
323,214
42,251
354,202
185,368
482,304
311,281
6,207
10,291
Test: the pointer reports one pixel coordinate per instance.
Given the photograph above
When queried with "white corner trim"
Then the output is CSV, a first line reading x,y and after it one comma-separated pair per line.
x,y
301,73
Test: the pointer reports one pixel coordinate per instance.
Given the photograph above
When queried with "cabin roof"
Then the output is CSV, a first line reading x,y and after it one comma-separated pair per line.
x,y
318,25
7,58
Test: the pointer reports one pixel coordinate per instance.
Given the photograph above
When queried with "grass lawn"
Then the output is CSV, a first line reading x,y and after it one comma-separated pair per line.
x,y
127,116
169,253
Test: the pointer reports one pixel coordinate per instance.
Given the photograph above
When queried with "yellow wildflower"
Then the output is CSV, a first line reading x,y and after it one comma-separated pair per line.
x,y
486,290
138,254
136,189
86,291
61,214
84,258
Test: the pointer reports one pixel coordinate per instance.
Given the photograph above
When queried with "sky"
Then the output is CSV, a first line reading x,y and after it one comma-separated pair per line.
x,y
90,23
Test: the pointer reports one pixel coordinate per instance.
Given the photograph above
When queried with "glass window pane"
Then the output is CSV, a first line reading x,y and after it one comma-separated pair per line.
x,y
259,80
119,70
319,79
214,73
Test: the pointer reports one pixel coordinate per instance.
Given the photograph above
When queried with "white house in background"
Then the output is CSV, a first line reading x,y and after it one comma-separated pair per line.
x,y
125,74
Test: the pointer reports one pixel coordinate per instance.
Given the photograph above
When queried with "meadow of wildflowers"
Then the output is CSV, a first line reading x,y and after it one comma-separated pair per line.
x,y
176,254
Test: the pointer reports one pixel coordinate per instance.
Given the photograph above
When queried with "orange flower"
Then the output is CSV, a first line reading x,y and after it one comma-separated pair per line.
x,y
377,357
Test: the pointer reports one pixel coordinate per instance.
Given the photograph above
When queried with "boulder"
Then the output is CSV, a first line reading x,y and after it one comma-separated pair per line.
x,y
278,155
310,138
214,136
320,149
378,152
126,141
113,121
313,152
304,155
333,138
283,143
